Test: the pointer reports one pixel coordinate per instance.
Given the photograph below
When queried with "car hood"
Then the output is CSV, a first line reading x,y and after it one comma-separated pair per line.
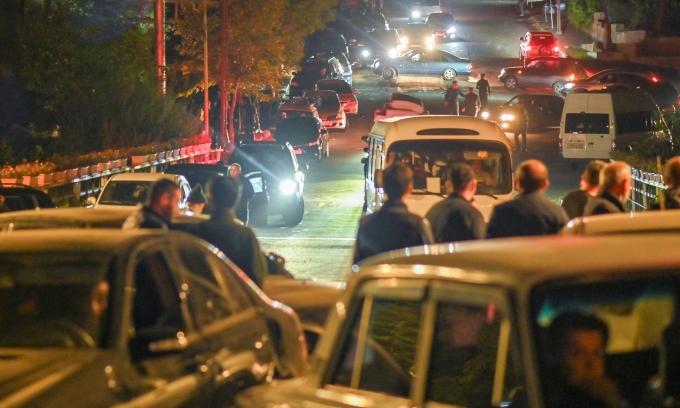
x,y
310,299
25,374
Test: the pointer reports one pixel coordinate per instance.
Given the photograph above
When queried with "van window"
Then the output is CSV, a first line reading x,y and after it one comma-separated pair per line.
x,y
631,122
586,123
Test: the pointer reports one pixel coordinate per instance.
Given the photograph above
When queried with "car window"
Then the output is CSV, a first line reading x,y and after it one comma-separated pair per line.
x,y
129,193
586,123
231,279
542,39
513,102
417,57
433,57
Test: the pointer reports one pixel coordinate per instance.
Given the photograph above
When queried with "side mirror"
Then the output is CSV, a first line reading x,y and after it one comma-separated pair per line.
x,y
91,201
378,178
364,138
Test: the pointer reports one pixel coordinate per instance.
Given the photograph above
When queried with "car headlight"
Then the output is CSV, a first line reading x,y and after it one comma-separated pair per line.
x,y
365,53
451,30
485,115
404,40
400,48
429,40
392,53
415,14
568,85
288,187
507,117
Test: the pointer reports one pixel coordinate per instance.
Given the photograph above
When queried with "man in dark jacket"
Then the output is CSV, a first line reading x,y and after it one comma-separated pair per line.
x,y
530,213
671,176
247,192
521,126
451,98
162,204
575,202
615,184
236,241
470,103
393,226
456,218
484,91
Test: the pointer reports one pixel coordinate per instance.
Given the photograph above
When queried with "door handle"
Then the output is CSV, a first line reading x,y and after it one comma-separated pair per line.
x,y
591,143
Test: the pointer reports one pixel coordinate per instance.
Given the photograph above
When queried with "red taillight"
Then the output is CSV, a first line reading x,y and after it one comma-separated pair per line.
x,y
556,49
655,79
314,143
571,77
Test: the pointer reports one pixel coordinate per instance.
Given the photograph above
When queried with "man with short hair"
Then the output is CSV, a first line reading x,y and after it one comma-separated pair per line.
x,y
470,103
530,213
197,200
456,218
451,98
484,91
671,176
162,204
392,226
247,192
615,186
236,241
575,202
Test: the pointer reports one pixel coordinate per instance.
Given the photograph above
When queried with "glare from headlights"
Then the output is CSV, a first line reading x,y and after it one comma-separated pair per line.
x,y
507,117
404,40
400,47
288,187
429,40
430,47
451,30
393,53
365,53
485,115
568,86
415,14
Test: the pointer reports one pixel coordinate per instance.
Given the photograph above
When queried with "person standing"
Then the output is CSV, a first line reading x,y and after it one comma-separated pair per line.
x,y
520,3
521,126
392,226
247,192
615,186
530,213
162,204
456,218
575,202
671,176
470,103
451,98
484,91
236,241
196,201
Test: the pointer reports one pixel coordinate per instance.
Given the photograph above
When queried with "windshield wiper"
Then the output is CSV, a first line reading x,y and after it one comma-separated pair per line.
x,y
487,194
428,192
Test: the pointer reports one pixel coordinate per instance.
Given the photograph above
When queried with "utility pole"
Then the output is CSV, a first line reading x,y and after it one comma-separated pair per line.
x,y
159,19
224,69
206,97
559,18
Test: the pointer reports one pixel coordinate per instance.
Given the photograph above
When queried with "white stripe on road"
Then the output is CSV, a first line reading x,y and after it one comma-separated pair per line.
x,y
306,238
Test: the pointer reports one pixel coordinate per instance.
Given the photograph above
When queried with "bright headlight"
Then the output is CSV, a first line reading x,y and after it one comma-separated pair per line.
x,y
392,53
451,30
365,53
485,115
288,187
404,40
507,117
429,40
568,85
415,14
400,47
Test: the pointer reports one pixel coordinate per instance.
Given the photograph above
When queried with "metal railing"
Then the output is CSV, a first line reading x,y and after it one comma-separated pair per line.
x,y
645,191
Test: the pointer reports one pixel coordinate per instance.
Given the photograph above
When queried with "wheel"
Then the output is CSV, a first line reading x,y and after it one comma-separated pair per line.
x,y
558,87
449,74
257,216
293,216
510,83
389,73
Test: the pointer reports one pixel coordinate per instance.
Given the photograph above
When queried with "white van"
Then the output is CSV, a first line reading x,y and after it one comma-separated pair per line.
x,y
595,123
430,145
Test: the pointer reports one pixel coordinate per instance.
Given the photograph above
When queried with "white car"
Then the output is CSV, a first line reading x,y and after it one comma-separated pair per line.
x,y
624,223
123,190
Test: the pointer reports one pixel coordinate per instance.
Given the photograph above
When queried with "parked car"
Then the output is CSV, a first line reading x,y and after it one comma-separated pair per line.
x,y
417,35
379,44
298,106
347,95
544,72
421,62
538,44
489,324
198,173
326,40
544,110
20,197
664,93
418,10
330,110
345,65
276,176
443,25
639,222
134,318
308,137
313,70
131,189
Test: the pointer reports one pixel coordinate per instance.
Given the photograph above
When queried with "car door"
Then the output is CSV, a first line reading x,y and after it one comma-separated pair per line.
x,y
170,359
435,63
414,63
531,75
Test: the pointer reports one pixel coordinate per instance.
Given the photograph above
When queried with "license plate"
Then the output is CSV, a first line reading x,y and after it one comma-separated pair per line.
x,y
574,145
298,151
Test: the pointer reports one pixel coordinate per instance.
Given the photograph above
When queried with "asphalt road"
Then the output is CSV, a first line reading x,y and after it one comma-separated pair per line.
x,y
320,246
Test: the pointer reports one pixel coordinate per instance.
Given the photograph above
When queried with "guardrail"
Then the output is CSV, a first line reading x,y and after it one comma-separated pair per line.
x,y
645,190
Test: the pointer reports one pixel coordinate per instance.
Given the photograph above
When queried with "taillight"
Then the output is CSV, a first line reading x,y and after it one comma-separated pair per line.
x,y
316,143
556,49
655,79
571,77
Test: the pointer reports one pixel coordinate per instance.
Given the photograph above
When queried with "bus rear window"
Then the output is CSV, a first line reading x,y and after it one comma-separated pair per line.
x,y
586,123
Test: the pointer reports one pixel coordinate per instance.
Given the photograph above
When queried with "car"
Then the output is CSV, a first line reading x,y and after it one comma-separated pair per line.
x,y
308,137
664,93
345,65
538,44
347,95
544,111
313,70
132,189
143,317
475,324
422,62
326,40
20,197
277,179
198,173
443,25
418,10
417,35
379,44
543,72
295,107
638,222
330,110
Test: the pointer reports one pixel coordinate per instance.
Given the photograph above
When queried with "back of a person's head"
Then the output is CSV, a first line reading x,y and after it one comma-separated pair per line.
x,y
591,174
397,178
612,175
223,192
532,175
460,175
672,171
162,186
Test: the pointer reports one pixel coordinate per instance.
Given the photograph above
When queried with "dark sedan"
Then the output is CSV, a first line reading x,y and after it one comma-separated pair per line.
x,y
542,72
419,62
19,197
308,137
136,318
544,111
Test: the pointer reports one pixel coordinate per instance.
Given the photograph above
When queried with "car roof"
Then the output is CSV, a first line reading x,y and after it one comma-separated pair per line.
x,y
142,177
84,215
647,221
521,262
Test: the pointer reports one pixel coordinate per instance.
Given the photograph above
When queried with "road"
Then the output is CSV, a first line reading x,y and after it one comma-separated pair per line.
x,y
320,246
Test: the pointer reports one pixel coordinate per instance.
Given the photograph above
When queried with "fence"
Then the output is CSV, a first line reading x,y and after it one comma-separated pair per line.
x,y
645,191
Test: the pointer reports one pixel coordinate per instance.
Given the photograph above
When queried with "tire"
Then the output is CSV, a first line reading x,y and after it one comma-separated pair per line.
x,y
389,73
257,216
294,216
557,87
510,83
449,74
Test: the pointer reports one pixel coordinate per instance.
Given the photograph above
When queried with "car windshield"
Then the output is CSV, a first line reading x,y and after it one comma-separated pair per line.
x,y
297,131
441,19
272,160
53,300
327,102
340,87
608,339
125,192
542,39
431,159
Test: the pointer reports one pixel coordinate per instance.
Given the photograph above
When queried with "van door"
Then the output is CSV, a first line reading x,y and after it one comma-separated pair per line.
x,y
587,136
376,161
